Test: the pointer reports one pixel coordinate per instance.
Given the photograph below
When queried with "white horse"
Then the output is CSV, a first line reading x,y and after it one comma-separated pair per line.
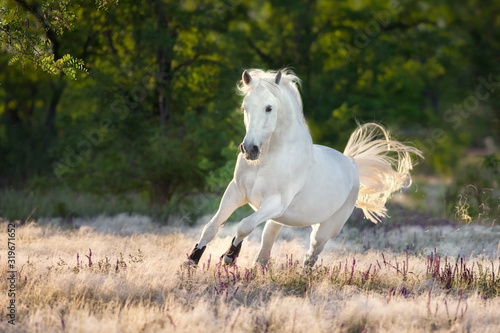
x,y
289,181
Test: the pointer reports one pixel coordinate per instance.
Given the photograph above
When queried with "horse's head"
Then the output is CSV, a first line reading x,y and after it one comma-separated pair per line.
x,y
260,107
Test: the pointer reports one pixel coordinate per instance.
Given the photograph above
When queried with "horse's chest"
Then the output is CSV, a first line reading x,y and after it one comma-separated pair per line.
x,y
255,187
255,191
258,186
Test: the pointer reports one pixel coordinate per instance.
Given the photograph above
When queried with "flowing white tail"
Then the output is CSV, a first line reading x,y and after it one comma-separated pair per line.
x,y
384,167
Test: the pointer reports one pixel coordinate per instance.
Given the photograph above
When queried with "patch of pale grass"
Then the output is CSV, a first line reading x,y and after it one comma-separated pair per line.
x,y
93,279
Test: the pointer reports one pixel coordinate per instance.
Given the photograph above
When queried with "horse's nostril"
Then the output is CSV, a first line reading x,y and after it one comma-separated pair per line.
x,y
251,152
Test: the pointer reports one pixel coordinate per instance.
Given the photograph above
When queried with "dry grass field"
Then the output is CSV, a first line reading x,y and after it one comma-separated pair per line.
x,y
125,274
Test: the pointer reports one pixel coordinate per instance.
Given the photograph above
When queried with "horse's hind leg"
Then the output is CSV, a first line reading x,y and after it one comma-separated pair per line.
x,y
318,241
323,232
269,235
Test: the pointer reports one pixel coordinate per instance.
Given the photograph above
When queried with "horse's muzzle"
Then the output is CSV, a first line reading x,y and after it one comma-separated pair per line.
x,y
251,152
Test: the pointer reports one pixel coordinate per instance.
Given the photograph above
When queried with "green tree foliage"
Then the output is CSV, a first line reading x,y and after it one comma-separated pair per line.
x,y
31,31
154,109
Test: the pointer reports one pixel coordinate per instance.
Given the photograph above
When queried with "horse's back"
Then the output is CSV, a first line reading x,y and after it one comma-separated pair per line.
x,y
337,171
330,155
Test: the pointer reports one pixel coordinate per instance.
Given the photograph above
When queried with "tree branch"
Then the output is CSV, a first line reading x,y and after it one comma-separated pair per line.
x,y
266,58
51,35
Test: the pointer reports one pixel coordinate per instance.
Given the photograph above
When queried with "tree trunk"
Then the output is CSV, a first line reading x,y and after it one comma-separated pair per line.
x,y
164,57
164,80
50,119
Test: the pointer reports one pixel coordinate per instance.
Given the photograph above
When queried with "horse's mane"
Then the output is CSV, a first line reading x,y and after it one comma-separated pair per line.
x,y
289,84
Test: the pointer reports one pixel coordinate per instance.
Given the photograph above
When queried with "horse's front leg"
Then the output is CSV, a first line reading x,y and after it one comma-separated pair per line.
x,y
231,200
272,207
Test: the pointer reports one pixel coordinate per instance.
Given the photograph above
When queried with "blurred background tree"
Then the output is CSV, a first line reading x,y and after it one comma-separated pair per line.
x,y
136,99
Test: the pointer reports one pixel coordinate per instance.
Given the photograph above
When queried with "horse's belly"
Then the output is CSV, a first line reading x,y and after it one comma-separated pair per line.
x,y
332,180
304,212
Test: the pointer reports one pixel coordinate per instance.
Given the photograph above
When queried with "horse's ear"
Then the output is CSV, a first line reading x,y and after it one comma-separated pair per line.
x,y
246,77
278,77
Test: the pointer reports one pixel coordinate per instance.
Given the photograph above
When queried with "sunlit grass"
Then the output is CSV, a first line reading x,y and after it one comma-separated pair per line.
x,y
131,280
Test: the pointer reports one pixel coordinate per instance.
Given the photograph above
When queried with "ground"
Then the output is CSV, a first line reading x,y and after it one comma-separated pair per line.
x,y
126,274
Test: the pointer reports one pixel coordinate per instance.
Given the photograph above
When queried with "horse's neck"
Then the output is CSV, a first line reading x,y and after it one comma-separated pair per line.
x,y
291,133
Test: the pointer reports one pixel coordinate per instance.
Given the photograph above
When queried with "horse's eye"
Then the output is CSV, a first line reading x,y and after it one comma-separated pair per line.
x,y
269,108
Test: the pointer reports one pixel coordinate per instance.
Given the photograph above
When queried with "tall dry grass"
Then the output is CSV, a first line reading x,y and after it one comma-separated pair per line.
x,y
125,274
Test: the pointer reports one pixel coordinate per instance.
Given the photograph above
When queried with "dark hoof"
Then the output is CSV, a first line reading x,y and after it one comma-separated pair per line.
x,y
232,253
228,260
195,256
190,263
